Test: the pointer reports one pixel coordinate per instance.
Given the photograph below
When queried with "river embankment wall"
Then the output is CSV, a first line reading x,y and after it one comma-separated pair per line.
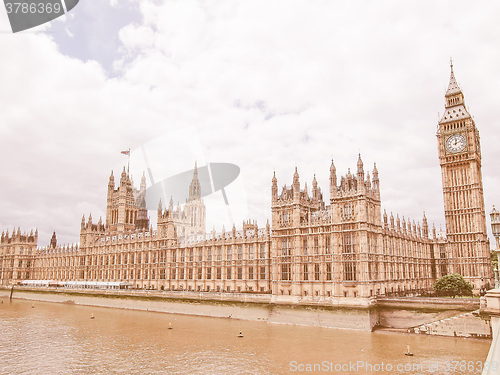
x,y
246,307
347,313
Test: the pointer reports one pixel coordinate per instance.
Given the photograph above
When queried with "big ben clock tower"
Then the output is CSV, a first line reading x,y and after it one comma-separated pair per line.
x,y
460,160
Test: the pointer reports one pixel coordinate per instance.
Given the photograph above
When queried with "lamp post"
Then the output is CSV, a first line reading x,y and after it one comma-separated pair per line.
x,y
495,228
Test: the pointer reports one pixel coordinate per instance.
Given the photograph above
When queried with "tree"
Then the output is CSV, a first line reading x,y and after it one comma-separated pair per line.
x,y
453,285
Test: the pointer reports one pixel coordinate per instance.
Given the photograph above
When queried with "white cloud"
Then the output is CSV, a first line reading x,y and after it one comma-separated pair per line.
x,y
268,85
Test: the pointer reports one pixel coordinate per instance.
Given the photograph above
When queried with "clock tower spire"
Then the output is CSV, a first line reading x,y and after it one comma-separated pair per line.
x,y
460,160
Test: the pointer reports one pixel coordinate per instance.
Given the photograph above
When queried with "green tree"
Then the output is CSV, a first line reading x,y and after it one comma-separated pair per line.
x,y
453,285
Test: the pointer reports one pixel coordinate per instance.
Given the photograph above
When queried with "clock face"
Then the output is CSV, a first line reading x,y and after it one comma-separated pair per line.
x,y
456,143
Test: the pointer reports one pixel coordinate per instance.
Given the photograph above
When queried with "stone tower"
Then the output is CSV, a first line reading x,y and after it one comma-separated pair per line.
x,y
293,211
126,207
356,213
460,160
195,208
191,220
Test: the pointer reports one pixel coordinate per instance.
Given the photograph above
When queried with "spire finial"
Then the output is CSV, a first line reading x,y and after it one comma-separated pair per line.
x,y
453,87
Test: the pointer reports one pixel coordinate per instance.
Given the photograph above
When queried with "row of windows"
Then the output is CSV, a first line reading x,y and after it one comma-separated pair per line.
x,y
130,216
241,273
316,273
161,257
220,273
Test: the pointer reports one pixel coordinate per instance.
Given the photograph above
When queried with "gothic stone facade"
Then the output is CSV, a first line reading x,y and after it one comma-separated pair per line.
x,y
347,248
311,251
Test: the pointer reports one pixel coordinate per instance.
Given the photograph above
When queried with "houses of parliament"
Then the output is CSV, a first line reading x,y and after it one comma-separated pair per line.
x,y
312,249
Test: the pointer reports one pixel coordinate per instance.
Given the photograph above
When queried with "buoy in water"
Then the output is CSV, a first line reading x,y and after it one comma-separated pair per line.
x,y
92,316
241,334
408,353
170,326
33,306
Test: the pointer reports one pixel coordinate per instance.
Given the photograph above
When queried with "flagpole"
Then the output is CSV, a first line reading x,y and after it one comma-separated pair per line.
x,y
127,152
128,164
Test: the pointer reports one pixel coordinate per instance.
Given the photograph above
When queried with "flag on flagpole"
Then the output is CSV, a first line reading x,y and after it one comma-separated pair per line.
x,y
127,152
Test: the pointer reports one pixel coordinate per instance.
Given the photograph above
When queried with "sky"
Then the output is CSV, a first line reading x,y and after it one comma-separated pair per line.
x,y
265,85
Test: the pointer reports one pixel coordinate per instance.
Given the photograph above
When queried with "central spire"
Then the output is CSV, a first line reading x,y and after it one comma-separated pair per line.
x,y
453,87
195,188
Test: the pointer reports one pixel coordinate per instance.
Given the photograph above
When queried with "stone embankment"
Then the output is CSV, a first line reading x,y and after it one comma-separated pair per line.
x,y
351,315
423,315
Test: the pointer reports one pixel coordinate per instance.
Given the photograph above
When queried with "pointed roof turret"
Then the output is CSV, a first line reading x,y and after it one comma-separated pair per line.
x,y
333,179
425,227
296,184
296,176
332,168
111,183
455,109
360,163
53,241
274,188
194,187
143,181
453,87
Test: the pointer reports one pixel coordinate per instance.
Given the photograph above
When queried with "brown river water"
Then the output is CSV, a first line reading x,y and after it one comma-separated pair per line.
x,y
52,338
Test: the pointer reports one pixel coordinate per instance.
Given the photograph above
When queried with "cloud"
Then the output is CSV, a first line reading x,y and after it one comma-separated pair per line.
x,y
267,85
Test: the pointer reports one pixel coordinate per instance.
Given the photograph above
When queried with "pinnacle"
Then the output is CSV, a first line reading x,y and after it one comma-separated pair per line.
x,y
453,87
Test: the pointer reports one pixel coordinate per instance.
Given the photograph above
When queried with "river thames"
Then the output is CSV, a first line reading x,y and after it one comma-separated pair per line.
x,y
51,338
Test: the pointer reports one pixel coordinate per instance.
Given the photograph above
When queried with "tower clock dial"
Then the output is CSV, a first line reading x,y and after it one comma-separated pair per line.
x,y
455,143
